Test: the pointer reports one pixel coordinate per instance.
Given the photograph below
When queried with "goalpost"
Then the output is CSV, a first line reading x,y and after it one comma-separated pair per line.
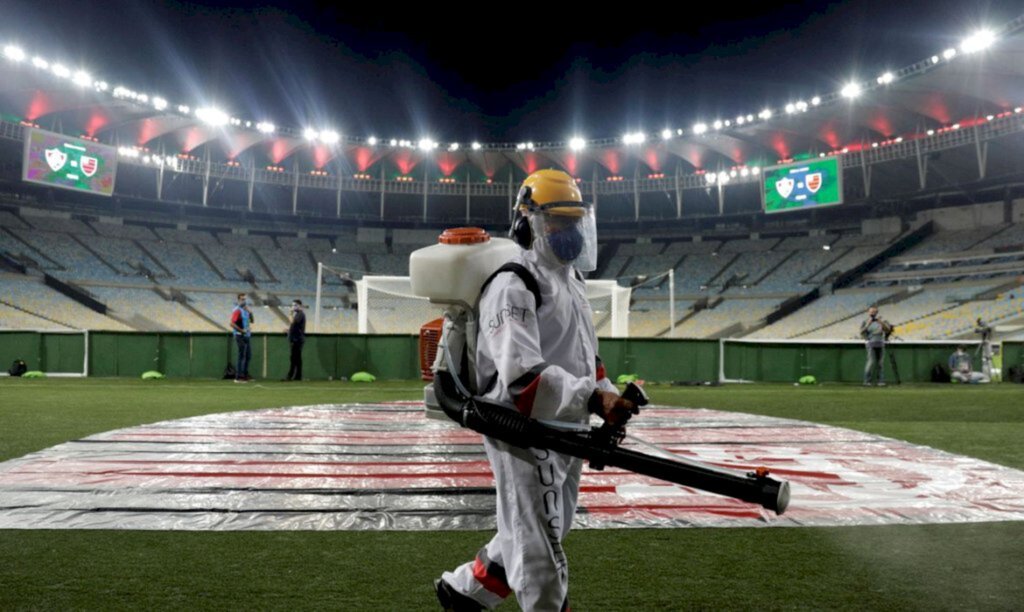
x,y
84,333
386,305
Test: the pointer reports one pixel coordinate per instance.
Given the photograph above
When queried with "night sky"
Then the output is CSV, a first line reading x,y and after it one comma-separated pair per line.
x,y
490,72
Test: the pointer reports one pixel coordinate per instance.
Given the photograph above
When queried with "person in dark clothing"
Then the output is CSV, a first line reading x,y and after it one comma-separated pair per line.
x,y
241,327
296,338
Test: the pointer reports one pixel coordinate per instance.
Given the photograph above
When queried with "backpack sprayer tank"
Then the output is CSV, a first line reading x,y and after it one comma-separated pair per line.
x,y
451,273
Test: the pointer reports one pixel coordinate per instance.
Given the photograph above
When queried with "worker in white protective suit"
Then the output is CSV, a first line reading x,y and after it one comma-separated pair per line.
x,y
541,360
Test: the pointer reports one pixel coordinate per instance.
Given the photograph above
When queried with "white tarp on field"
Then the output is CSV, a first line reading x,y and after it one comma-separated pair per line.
x,y
386,466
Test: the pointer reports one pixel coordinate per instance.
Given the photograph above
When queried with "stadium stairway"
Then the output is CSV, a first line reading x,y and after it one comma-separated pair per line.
x,y
209,262
35,314
32,253
153,257
902,244
94,253
263,264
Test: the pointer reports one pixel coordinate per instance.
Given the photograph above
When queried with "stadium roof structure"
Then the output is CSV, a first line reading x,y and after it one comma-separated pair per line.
x,y
972,94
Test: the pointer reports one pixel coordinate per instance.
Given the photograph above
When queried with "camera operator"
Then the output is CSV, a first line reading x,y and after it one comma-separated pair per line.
x,y
875,331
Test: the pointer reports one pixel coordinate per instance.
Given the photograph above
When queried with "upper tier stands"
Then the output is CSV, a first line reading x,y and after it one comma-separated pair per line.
x,y
745,279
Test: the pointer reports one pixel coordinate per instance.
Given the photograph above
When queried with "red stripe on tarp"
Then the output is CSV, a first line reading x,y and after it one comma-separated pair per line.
x,y
489,582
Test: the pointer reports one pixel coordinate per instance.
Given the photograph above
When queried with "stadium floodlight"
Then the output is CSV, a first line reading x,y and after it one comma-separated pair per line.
x,y
766,114
666,134
898,139
989,117
711,178
394,142
744,172
308,133
159,103
477,146
949,54
741,120
372,141
40,63
931,132
755,171
801,106
816,100
81,78
101,85
1017,110
723,178
886,78
826,247
634,138
61,70
727,123
426,144
266,127
732,173
13,53
850,90
979,41
453,146
750,118
935,59
329,137
142,98
956,126
184,110
248,124
874,145
212,116
790,108
576,143
521,146
717,124
700,128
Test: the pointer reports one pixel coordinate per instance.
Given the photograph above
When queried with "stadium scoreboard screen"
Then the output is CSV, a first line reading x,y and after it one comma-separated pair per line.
x,y
69,163
809,184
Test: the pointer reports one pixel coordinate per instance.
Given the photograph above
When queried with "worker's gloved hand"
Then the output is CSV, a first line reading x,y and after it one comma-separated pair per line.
x,y
612,407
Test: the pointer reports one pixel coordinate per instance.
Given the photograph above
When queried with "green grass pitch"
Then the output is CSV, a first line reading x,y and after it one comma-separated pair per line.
x,y
971,566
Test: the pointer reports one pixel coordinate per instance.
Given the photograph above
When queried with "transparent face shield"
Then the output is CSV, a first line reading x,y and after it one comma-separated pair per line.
x,y
567,238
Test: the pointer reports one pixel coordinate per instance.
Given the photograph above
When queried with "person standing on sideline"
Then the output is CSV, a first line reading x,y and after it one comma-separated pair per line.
x,y
296,338
875,331
241,327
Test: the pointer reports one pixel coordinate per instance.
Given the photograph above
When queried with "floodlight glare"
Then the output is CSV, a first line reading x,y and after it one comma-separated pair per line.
x,y
212,116
949,54
717,124
15,54
426,144
978,41
159,103
816,100
578,144
308,133
666,134
82,79
886,78
765,114
184,110
790,108
453,146
40,63
372,141
700,128
850,90
477,146
711,177
61,70
329,137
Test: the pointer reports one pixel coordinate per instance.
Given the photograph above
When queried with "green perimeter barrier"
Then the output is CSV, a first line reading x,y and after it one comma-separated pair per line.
x,y
660,359
391,357
767,361
1013,355
52,352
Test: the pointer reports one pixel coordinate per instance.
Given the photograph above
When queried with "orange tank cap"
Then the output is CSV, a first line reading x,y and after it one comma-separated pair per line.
x,y
464,235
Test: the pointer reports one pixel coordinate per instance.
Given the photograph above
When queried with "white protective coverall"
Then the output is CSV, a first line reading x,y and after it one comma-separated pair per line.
x,y
546,365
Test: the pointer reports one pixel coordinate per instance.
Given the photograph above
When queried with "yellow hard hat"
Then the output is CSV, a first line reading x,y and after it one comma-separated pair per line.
x,y
553,192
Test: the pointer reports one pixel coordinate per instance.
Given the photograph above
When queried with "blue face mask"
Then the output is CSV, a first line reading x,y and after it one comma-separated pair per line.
x,y
566,244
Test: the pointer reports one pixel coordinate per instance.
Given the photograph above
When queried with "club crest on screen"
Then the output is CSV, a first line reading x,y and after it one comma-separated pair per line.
x,y
89,165
813,182
55,159
784,186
